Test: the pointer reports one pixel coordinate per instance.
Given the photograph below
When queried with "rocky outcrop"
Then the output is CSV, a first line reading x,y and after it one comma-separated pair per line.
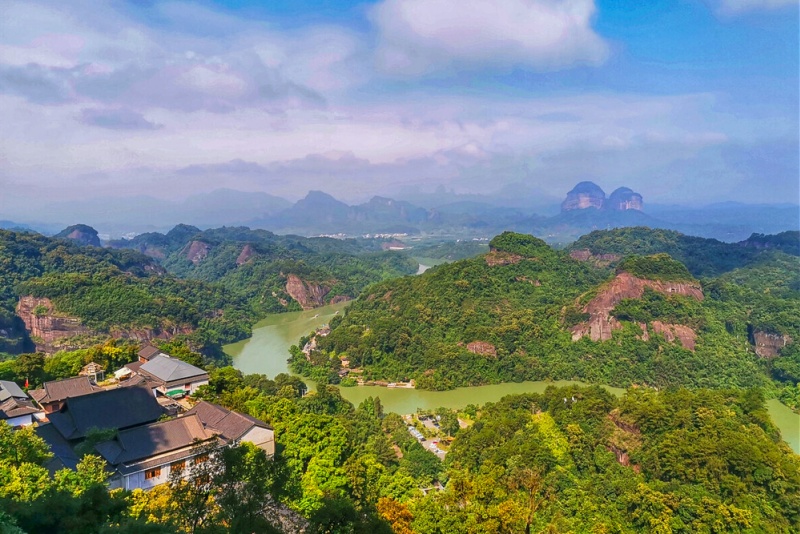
x,y
52,331
196,251
584,195
601,323
244,256
685,335
599,259
590,195
768,345
498,257
306,294
482,348
623,199
80,233
45,327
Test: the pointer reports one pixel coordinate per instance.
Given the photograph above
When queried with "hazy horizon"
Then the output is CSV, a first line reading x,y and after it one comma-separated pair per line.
x,y
686,103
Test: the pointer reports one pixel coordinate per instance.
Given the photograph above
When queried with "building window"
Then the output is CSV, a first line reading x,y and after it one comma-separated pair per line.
x,y
180,465
152,473
200,458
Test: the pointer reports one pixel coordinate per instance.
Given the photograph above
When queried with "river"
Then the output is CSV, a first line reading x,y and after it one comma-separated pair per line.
x,y
267,352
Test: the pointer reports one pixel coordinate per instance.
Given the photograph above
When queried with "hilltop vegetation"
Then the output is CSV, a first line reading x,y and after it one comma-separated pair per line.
x,y
255,264
210,300
703,257
568,460
527,312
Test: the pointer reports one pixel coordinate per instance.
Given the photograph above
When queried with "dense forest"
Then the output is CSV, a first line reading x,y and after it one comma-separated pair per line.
x,y
568,460
525,311
213,298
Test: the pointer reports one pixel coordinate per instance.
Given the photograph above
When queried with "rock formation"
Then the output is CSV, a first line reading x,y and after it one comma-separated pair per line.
x,y
245,255
590,195
584,195
52,331
45,327
602,323
768,345
196,251
623,199
81,234
306,294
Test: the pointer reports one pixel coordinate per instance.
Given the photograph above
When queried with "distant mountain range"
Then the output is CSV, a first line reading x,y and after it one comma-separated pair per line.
x,y
584,208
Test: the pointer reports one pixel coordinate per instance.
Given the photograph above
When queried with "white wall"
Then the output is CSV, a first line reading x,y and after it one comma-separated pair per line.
x,y
262,438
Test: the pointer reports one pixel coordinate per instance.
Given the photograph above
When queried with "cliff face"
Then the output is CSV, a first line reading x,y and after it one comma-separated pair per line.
x,y
196,251
590,195
624,199
44,326
245,255
50,331
768,345
306,294
584,195
82,234
601,323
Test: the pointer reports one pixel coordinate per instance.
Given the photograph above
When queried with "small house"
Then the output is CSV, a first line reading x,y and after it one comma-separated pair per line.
x,y
171,376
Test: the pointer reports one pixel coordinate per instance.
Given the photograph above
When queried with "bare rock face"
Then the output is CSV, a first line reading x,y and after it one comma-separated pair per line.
x,y
52,331
482,348
768,345
244,256
623,199
584,195
44,326
598,259
196,251
307,295
625,286
81,234
685,335
498,257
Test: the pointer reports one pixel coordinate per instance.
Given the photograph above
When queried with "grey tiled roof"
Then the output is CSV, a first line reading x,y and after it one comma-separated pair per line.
x,y
169,369
231,425
148,351
63,389
12,407
118,408
143,442
10,389
63,455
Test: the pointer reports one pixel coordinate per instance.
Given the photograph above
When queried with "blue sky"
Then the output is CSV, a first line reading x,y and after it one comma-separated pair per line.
x,y
685,101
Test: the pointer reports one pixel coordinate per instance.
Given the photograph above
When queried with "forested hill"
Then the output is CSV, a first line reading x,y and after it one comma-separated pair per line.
x,y
219,283
524,311
703,257
119,292
276,273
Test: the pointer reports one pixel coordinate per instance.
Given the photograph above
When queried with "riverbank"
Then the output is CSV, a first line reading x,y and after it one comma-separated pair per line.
x,y
268,350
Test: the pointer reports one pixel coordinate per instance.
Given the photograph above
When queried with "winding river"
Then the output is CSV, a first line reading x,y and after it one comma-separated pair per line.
x,y
267,352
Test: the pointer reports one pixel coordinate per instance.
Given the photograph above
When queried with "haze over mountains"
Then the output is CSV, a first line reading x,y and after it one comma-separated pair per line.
x,y
584,208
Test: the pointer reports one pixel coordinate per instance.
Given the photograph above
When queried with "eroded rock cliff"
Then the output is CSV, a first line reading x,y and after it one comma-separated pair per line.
x,y
308,295
602,323
52,331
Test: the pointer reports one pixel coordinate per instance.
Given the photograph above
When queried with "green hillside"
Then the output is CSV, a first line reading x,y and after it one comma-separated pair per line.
x,y
703,257
527,312
212,300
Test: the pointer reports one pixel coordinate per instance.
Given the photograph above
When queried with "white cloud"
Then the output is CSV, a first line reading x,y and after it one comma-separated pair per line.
x,y
736,7
419,36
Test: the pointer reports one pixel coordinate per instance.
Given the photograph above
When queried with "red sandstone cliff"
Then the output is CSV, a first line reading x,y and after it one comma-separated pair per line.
x,y
625,286
52,331
308,295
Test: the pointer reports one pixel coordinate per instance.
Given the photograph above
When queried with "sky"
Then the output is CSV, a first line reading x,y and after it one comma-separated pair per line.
x,y
685,101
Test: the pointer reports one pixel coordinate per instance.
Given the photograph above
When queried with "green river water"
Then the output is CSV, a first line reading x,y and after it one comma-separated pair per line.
x,y
267,352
